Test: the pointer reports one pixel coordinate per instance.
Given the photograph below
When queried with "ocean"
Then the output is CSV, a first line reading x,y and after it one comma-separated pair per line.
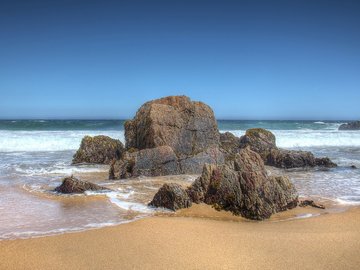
x,y
36,154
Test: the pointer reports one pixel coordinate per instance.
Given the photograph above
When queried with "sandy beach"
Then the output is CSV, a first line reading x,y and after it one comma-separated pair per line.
x,y
329,241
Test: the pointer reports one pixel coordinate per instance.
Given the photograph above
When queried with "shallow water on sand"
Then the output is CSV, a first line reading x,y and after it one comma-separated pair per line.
x,y
36,157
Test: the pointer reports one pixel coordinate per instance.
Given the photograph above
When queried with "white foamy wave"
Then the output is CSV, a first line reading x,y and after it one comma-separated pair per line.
x,y
13,141
129,206
349,200
311,138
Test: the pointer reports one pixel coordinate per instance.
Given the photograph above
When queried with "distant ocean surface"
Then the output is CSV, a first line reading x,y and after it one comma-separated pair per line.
x,y
36,154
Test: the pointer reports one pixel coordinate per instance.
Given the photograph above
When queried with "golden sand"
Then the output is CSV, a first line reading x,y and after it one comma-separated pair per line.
x,y
189,241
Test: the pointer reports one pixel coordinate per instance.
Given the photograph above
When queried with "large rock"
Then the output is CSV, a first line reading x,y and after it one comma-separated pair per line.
x,y
162,161
73,185
243,187
188,127
147,162
171,196
98,150
263,142
350,126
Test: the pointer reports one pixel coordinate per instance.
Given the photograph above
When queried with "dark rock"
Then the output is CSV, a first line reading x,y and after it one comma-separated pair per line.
x,y
195,164
244,188
74,185
171,196
290,159
263,142
350,126
147,162
325,162
353,167
98,150
188,127
162,161
311,203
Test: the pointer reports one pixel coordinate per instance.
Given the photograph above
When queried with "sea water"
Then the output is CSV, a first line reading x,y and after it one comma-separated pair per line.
x,y
36,154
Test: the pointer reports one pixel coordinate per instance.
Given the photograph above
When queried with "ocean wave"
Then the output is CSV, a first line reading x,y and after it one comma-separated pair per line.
x,y
25,141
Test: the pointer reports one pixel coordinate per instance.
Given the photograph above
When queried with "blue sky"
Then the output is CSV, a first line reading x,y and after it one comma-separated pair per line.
x,y
246,59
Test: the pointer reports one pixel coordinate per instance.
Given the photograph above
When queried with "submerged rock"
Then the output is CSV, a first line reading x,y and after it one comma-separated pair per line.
x,y
263,142
73,185
350,126
171,196
311,203
188,127
98,150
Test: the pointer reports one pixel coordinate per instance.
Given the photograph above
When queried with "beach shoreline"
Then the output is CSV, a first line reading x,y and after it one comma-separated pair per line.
x,y
196,239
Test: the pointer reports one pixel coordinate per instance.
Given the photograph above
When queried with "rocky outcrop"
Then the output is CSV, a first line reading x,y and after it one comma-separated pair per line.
x,y
171,135
188,127
243,187
171,196
98,150
263,142
73,185
350,126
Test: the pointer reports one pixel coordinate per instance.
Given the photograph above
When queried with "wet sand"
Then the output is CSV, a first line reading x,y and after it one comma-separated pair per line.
x,y
198,238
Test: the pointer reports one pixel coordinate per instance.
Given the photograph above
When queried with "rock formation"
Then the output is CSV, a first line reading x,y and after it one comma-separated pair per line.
x,y
243,187
171,196
98,150
264,143
171,135
188,127
73,185
350,126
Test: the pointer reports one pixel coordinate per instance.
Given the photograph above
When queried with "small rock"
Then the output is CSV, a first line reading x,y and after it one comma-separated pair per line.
x,y
353,167
171,196
305,203
73,185
98,150
350,126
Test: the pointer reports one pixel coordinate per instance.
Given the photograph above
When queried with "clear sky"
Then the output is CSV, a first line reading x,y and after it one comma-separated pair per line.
x,y
246,59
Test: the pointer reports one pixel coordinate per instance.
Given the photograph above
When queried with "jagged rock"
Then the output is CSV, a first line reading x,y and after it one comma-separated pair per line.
x,y
230,143
244,188
98,150
171,196
74,185
263,142
350,126
305,203
188,127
